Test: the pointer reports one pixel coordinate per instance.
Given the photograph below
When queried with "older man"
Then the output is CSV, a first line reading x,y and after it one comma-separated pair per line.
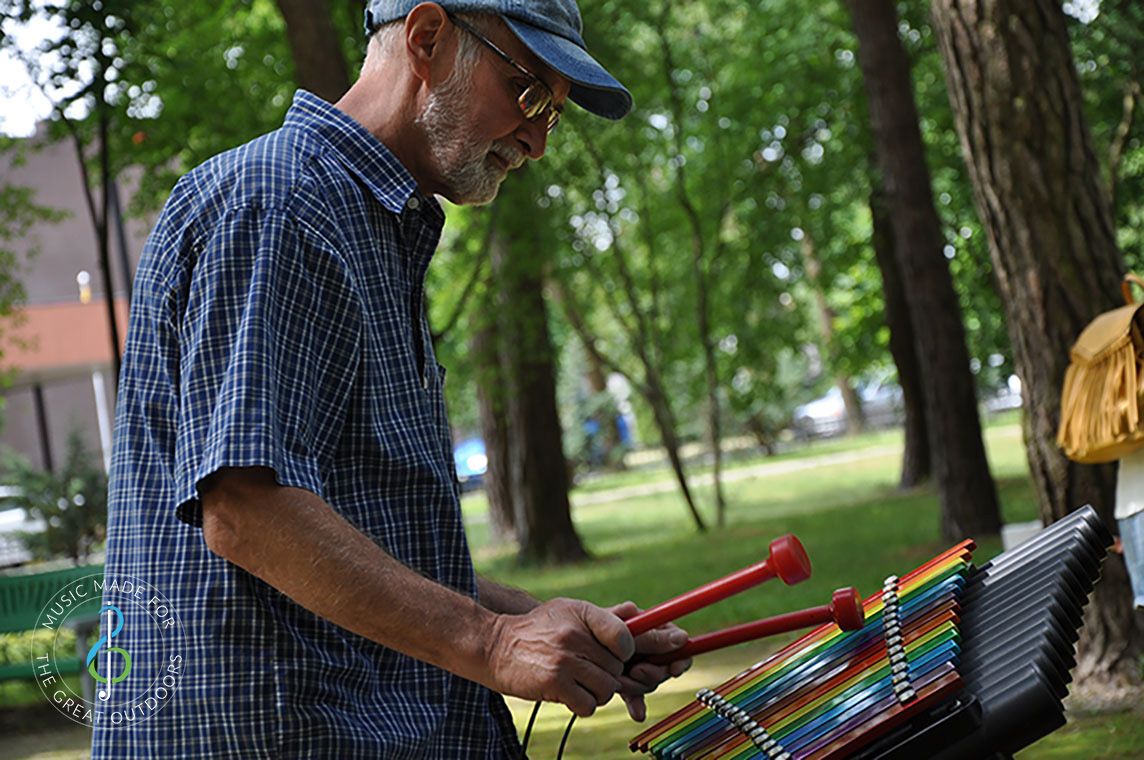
x,y
282,471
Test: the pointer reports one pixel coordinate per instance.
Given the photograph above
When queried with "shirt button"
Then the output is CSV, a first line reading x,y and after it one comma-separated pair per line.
x,y
413,203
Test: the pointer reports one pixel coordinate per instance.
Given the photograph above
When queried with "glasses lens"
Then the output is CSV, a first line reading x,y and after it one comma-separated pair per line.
x,y
534,100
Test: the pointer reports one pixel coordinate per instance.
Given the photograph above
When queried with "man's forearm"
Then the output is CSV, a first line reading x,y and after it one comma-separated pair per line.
x,y
294,541
504,599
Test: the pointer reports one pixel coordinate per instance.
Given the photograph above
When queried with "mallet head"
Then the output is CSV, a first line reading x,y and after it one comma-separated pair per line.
x,y
846,606
788,557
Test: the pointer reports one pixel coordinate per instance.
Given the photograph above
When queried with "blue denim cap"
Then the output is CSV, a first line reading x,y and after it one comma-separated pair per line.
x,y
549,28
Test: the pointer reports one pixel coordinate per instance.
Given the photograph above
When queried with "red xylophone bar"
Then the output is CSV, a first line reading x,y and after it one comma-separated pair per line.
x,y
845,609
787,561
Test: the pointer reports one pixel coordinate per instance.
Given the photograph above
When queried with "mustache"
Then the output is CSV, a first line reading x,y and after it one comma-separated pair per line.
x,y
511,154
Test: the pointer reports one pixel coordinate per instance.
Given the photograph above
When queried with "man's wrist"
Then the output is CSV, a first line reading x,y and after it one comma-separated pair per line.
x,y
476,647
505,600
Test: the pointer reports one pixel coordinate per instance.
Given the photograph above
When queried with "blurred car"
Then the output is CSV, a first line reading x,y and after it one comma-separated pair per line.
x,y
826,415
1007,397
471,462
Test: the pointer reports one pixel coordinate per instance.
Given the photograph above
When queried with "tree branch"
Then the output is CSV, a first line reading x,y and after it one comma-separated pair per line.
x,y
474,278
1120,138
639,335
575,317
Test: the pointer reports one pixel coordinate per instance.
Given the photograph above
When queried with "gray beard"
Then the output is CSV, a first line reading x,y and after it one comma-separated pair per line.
x,y
462,162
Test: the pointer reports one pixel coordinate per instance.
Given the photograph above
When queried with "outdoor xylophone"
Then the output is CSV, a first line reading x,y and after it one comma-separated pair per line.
x,y
952,662
786,561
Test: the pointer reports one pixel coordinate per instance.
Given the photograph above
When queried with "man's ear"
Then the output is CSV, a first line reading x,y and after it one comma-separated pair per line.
x,y
429,41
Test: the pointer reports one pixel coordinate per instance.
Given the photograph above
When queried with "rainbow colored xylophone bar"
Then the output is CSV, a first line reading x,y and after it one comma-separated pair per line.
x,y
832,691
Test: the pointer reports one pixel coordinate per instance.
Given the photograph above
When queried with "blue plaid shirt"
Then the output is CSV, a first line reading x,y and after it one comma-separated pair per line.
x,y
278,321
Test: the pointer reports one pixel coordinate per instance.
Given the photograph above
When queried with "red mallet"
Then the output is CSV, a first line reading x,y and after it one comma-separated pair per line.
x,y
845,609
787,561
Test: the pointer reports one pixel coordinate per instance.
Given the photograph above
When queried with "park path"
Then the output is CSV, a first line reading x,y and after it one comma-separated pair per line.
x,y
761,470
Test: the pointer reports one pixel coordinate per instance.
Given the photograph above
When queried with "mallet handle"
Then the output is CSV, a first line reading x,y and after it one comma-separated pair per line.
x,y
845,610
787,561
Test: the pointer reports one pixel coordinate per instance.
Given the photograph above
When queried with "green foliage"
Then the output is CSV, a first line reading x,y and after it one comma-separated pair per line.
x,y
457,288
200,78
749,131
81,68
17,648
587,414
184,81
759,125
765,392
634,201
72,503
1107,55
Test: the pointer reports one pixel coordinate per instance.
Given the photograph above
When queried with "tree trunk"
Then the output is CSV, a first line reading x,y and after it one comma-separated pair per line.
x,y
665,422
539,471
714,426
763,435
855,421
916,452
492,408
1038,188
642,338
104,228
966,491
319,63
700,270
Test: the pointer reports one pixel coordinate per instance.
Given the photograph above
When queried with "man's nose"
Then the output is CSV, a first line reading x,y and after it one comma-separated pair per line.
x,y
533,137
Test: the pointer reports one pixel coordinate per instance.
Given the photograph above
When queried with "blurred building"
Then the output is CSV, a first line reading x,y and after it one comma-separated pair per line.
x,y
59,351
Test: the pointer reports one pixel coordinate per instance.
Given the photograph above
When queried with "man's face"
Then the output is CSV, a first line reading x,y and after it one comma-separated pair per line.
x,y
474,125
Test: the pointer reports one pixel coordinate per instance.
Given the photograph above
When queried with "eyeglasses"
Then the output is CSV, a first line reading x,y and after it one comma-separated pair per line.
x,y
536,100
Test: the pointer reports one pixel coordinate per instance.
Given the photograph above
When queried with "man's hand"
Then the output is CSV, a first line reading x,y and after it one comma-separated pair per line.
x,y
565,650
643,677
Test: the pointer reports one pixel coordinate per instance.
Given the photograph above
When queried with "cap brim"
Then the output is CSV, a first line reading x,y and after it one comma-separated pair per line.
x,y
593,88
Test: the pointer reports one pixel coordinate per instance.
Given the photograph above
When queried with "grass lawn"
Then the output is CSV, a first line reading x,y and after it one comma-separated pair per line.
x,y
857,529
650,466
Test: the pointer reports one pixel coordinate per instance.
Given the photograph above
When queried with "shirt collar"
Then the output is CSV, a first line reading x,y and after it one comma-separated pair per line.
x,y
362,153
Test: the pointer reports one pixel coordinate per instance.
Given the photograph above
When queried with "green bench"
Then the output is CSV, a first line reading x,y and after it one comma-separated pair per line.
x,y
23,595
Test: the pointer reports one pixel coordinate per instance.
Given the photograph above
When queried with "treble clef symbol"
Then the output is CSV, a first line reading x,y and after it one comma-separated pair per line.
x,y
93,653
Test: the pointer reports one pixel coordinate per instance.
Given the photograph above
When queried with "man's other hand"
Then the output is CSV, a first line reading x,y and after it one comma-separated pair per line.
x,y
644,677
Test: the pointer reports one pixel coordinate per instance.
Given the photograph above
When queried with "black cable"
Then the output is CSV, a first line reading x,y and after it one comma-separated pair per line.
x,y
564,740
528,732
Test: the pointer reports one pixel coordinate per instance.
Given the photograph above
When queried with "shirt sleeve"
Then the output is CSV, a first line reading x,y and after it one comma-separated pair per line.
x,y
269,348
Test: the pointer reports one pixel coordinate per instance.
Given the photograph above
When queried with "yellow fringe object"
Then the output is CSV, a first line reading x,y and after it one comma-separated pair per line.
x,y
1101,400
